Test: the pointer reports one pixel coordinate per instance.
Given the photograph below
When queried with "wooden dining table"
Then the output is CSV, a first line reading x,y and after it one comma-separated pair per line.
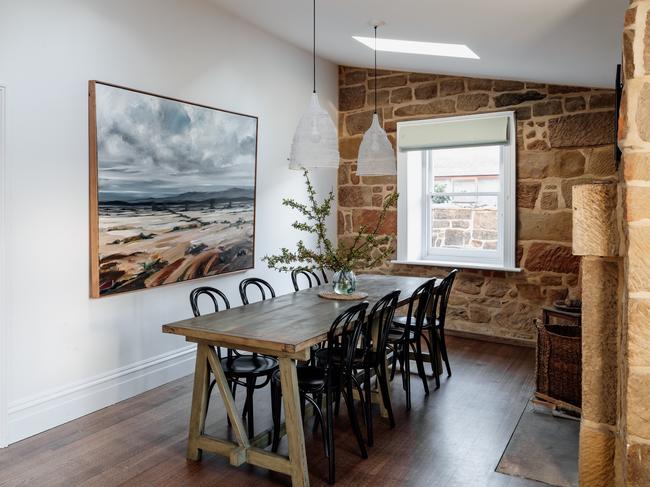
x,y
285,327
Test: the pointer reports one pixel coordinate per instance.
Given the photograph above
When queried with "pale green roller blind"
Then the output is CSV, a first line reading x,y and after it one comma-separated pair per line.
x,y
454,133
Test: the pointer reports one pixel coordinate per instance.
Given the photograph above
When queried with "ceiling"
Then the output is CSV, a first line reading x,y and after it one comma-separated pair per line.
x,y
574,42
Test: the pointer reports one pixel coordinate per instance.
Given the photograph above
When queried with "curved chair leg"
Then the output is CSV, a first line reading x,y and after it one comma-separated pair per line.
x,y
250,390
367,401
420,364
276,407
407,376
319,419
394,365
352,413
329,411
318,398
382,373
443,351
432,344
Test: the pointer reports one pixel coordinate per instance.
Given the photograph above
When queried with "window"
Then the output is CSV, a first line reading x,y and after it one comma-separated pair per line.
x,y
456,178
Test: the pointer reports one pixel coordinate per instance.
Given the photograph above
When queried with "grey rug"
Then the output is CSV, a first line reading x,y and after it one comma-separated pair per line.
x,y
543,448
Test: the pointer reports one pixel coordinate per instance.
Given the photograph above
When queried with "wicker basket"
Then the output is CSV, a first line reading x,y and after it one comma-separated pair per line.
x,y
559,362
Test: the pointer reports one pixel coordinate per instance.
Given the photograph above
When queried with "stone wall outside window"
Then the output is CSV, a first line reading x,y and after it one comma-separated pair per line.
x,y
565,136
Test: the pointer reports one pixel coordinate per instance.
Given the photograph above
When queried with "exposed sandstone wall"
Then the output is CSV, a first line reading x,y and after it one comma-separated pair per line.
x,y
633,446
565,136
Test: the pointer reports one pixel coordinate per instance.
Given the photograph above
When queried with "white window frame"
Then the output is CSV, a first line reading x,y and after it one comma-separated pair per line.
x,y
414,207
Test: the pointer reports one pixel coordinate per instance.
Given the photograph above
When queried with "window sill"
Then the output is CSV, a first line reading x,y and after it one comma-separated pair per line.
x,y
460,265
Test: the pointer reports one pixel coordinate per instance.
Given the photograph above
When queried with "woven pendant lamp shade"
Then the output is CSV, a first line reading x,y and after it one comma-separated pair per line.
x,y
376,155
315,143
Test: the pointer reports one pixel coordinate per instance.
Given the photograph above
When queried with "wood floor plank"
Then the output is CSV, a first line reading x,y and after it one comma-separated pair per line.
x,y
453,437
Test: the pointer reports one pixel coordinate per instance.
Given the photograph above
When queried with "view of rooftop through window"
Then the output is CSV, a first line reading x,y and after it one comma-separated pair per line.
x,y
464,186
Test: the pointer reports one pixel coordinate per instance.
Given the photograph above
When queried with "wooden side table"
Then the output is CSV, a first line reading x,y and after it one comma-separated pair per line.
x,y
549,312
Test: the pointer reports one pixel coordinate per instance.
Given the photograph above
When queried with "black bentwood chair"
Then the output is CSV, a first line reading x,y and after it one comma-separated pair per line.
x,y
336,374
434,324
262,286
310,275
373,356
243,370
402,339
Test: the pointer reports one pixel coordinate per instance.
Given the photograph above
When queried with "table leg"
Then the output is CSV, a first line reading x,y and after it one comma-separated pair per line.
x,y
293,421
199,402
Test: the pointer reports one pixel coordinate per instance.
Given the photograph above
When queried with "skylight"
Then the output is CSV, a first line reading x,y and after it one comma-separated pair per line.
x,y
416,47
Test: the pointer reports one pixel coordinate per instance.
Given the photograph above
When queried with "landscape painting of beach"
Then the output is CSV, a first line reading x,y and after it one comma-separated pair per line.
x,y
172,190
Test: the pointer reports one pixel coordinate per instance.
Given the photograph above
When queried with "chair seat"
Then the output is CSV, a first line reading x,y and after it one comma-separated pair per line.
x,y
400,322
395,335
321,356
249,365
310,378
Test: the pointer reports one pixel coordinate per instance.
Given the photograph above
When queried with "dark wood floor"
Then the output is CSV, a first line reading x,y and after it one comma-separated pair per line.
x,y
453,437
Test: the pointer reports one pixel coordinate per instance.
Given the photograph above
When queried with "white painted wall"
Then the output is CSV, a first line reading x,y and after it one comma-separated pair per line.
x,y
69,354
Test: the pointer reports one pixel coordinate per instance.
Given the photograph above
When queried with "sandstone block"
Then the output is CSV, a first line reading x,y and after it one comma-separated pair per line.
x,y
472,102
382,98
533,165
432,108
551,258
426,91
355,77
388,82
530,291
370,218
507,85
638,330
643,113
477,84
527,194
596,457
628,55
575,103
355,196
602,100
550,107
418,77
638,465
550,280
478,314
544,225
561,89
638,405
352,98
523,113
451,87
549,200
582,130
637,199
349,147
468,283
567,164
566,187
401,95
510,99
358,123
601,162
497,288
639,259
538,145
636,165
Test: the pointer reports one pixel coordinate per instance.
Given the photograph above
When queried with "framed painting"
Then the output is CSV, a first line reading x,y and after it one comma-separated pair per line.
x,y
172,190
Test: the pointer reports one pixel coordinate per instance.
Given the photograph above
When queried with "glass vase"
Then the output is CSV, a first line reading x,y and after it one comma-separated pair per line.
x,y
344,282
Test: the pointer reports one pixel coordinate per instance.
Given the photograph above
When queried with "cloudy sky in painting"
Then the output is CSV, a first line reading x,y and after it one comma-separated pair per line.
x,y
153,147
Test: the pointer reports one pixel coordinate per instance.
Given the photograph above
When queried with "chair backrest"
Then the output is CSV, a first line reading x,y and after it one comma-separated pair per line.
x,y
262,286
312,278
419,305
380,319
210,292
325,281
441,298
344,335
214,295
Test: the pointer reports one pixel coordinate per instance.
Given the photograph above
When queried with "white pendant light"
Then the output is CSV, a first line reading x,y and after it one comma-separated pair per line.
x,y
376,155
315,143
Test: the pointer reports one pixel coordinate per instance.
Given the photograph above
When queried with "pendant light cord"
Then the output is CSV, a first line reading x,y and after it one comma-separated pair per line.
x,y
314,44
375,70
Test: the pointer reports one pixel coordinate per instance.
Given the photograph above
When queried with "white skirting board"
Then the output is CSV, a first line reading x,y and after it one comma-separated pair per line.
x,y
38,413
